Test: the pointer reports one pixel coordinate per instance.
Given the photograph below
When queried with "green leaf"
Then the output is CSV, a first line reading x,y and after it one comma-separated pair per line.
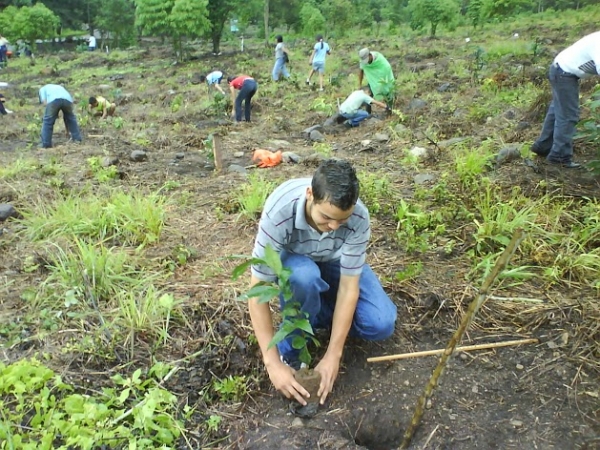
x,y
305,356
298,342
279,336
273,259
304,325
264,293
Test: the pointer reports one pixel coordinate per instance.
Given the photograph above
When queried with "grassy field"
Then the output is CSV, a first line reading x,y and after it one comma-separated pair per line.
x,y
120,323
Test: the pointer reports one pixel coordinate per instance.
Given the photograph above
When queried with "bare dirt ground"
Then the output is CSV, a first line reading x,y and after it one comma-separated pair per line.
x,y
540,396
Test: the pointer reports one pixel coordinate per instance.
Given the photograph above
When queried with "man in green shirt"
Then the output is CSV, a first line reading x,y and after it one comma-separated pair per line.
x,y
378,72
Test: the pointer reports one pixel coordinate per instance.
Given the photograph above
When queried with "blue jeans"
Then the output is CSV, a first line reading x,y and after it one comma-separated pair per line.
x,y
357,117
249,88
280,69
556,139
315,286
50,115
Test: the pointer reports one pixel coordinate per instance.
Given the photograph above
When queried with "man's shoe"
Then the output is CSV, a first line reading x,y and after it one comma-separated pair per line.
x,y
308,82
539,152
566,165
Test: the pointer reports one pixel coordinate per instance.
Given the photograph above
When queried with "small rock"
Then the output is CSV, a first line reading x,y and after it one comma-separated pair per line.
x,y
297,423
449,142
507,154
523,125
236,168
7,210
179,155
336,119
316,136
429,404
464,356
475,390
416,104
365,142
423,178
400,129
406,383
116,77
510,114
138,155
291,157
444,87
104,87
516,423
278,143
519,367
307,132
110,161
381,137
238,154
419,152
171,92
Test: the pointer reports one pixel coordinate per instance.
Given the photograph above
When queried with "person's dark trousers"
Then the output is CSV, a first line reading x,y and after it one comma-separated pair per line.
x,y
3,57
245,95
50,115
556,140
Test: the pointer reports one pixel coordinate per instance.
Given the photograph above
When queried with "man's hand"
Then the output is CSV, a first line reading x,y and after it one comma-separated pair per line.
x,y
282,377
328,367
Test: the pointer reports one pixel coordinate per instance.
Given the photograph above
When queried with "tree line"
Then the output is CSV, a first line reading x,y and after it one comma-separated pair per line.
x,y
178,20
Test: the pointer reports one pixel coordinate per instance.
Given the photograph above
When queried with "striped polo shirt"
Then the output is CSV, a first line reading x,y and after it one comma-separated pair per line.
x,y
283,225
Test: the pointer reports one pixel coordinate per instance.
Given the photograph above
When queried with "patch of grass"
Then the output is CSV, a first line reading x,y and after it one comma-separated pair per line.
x,y
470,163
231,388
323,148
376,192
20,167
251,195
130,218
101,173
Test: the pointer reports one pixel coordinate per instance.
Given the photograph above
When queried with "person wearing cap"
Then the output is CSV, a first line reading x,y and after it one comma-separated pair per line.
x,y
281,58
375,68
247,87
317,60
56,98
580,60
213,79
351,108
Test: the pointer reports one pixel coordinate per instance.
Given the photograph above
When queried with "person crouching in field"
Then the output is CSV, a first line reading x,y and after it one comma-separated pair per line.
x,y
213,79
247,87
99,106
351,108
317,60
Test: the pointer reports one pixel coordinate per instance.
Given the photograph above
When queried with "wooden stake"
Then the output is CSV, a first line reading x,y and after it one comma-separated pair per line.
x,y
474,306
217,152
467,348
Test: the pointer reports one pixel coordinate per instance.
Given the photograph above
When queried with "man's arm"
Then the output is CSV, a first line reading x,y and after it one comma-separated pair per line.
x,y
104,110
329,366
380,104
219,88
281,375
232,91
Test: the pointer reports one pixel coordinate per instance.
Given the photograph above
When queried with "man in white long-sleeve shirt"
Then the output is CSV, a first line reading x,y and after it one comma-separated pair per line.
x,y
580,60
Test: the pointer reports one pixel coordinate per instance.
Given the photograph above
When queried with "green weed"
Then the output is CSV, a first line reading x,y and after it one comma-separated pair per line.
x,y
19,167
231,388
101,173
251,195
376,192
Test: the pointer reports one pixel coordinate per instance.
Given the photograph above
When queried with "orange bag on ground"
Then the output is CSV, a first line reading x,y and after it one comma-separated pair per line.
x,y
266,158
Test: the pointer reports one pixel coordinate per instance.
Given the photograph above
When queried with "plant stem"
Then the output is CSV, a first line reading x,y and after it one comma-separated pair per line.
x,y
474,306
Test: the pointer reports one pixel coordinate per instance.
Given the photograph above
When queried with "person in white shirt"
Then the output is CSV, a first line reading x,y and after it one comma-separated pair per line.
x,y
92,43
351,108
213,79
317,60
580,60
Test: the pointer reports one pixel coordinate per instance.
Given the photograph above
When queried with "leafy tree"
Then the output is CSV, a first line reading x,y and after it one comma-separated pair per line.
x,y
312,19
173,18
433,12
339,15
218,13
475,13
504,8
118,18
30,23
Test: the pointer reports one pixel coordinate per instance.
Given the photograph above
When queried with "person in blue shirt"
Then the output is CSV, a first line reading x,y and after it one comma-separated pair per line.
x,y
213,79
317,60
56,98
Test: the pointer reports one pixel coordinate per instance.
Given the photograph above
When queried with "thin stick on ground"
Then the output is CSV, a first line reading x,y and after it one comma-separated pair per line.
x,y
439,351
474,306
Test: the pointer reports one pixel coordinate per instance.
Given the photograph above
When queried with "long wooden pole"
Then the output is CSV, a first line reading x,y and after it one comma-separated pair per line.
x,y
474,306
467,348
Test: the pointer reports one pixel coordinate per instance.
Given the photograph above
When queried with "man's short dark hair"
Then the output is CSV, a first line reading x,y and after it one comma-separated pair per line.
x,y
202,78
93,101
279,38
335,181
230,78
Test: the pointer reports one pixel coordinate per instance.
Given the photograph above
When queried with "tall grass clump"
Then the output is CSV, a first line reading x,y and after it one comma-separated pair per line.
x,y
127,218
251,195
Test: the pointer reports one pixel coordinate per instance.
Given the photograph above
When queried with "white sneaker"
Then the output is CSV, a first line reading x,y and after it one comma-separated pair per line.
x,y
302,365
8,111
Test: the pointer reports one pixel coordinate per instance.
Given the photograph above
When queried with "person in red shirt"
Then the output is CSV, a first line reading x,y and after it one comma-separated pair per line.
x,y
247,87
